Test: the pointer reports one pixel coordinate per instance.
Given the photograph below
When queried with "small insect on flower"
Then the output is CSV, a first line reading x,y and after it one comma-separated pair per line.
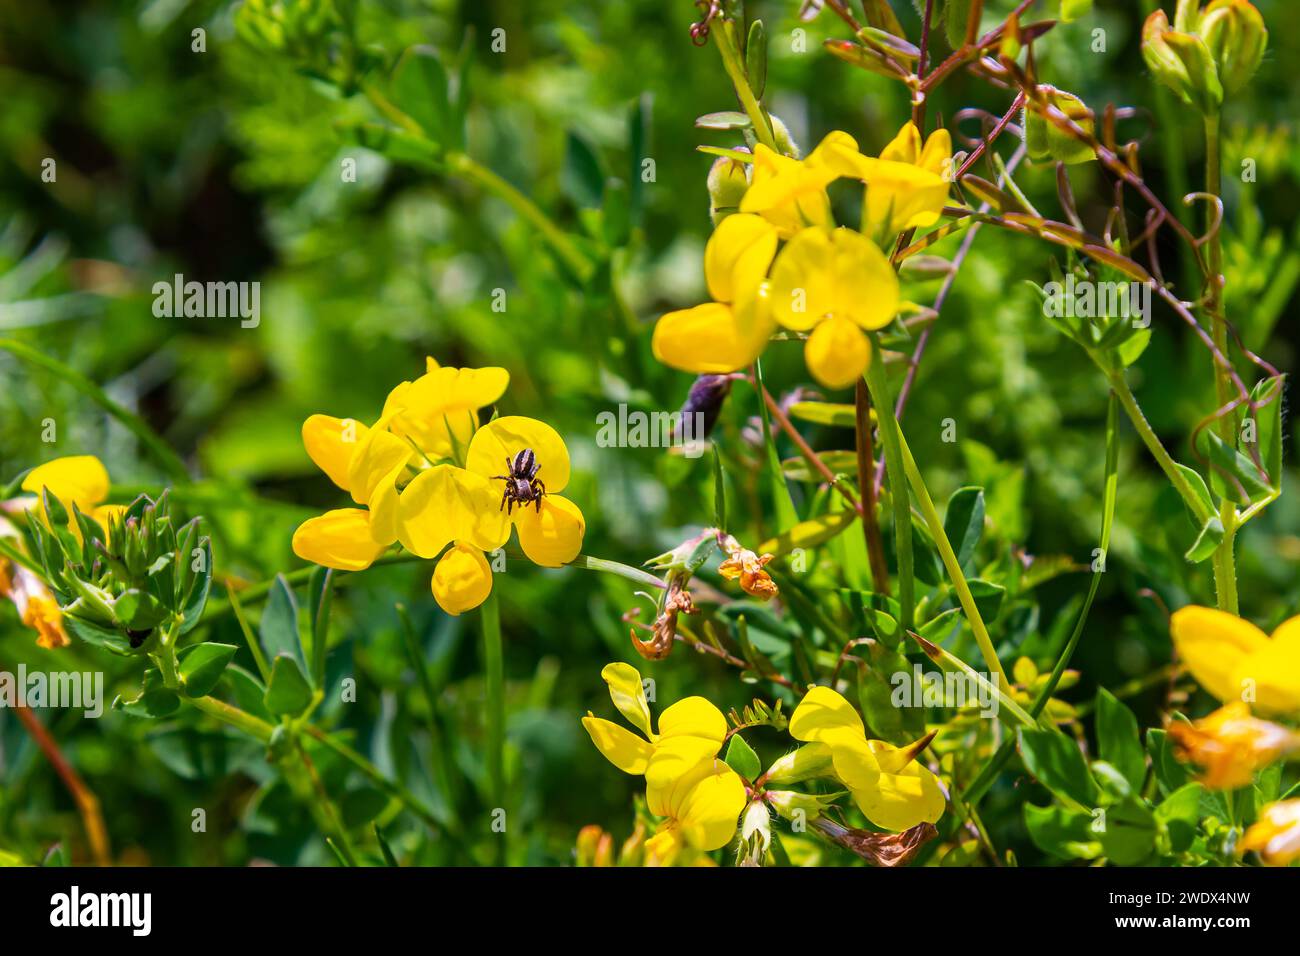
x,y
523,487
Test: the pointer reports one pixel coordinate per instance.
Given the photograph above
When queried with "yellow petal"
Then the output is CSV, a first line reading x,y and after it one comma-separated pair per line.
x,y
624,749
788,193
462,579
105,513
377,454
937,154
551,536
837,273
385,515
709,812
901,799
1275,672
440,408
495,445
737,256
902,196
337,539
713,338
904,147
77,479
1214,644
446,503
330,442
837,353
822,710
628,694
690,731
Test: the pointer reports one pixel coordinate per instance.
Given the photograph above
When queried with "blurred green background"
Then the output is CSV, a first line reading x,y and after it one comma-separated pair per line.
x,y
225,165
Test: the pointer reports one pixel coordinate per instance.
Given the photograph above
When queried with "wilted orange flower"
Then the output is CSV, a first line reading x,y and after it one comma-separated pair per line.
x,y
1276,834
747,567
1230,745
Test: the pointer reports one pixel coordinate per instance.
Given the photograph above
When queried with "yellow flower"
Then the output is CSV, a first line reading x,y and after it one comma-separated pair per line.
x,y
888,785
907,185
1234,660
700,796
690,731
1276,834
835,284
1230,745
429,477
791,193
729,332
36,605
470,507
80,480
701,810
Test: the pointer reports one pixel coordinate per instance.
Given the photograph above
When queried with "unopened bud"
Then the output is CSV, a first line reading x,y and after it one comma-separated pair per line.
x,y
728,181
1235,34
1045,139
1182,62
810,760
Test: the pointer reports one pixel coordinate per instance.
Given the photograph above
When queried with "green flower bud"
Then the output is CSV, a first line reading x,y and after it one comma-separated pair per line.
x,y
810,760
781,136
728,181
1182,62
792,805
1236,36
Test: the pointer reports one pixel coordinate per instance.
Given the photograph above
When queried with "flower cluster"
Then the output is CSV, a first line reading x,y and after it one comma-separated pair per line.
x,y
826,284
701,797
427,475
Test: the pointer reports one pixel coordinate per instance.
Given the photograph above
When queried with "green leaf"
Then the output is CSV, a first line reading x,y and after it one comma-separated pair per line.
x,y
1128,832
825,413
582,178
1206,541
155,699
988,597
963,522
1170,773
1268,395
1074,9
925,556
839,463
1180,815
1249,484
957,16
419,87
756,58
1117,738
725,119
742,759
808,534
1062,832
279,625
1057,763
201,666
200,586
288,692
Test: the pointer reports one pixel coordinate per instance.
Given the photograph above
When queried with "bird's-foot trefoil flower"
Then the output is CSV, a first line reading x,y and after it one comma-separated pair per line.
x,y
1275,836
1235,661
1230,745
890,787
436,482
834,286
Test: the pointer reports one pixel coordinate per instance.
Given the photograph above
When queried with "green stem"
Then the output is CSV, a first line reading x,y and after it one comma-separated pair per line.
x,y
949,557
984,779
229,714
735,67
494,679
564,246
1152,441
1225,562
325,807
890,436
